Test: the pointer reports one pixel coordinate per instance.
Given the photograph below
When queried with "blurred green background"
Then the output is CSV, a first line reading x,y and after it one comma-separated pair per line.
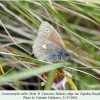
x,y
78,24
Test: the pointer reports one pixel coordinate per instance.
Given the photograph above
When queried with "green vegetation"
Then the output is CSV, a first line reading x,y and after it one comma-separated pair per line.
x,y
77,23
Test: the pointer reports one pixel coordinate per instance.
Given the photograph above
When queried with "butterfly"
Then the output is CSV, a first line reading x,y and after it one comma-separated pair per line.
x,y
48,45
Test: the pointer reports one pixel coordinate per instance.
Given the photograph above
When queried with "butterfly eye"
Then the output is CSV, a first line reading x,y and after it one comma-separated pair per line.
x,y
68,55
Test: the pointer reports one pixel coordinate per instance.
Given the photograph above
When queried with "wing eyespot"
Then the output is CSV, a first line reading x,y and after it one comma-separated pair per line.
x,y
47,30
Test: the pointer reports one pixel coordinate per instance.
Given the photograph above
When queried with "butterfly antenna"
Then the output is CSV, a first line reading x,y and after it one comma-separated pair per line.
x,y
75,48
71,55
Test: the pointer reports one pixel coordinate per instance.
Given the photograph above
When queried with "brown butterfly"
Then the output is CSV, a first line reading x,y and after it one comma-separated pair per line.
x,y
48,46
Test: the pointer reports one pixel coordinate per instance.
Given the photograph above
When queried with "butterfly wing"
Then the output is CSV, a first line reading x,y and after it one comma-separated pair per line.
x,y
48,32
48,45
47,51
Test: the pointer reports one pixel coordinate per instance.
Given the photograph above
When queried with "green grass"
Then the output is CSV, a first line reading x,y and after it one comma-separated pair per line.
x,y
78,24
